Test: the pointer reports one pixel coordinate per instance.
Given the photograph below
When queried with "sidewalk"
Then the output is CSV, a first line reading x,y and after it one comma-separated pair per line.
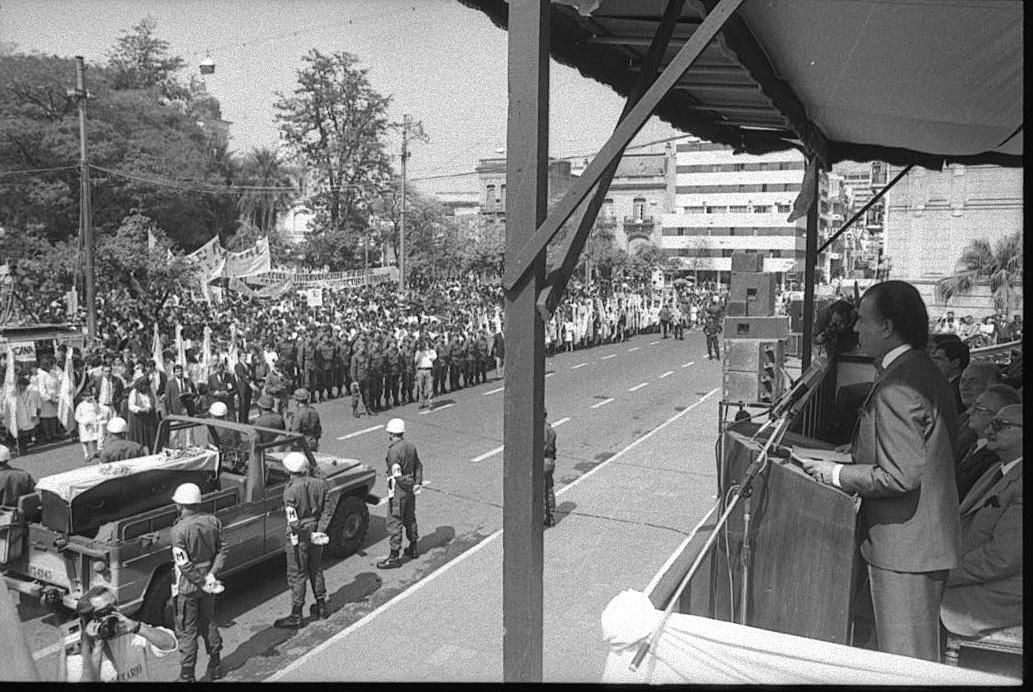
x,y
448,627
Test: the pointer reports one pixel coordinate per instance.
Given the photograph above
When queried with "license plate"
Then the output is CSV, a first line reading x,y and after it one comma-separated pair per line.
x,y
40,573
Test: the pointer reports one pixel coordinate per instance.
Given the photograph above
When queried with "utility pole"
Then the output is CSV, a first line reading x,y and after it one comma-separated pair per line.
x,y
401,211
85,209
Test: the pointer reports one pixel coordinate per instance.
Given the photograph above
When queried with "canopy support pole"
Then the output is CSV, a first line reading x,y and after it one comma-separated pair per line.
x,y
558,278
520,262
810,259
866,207
523,482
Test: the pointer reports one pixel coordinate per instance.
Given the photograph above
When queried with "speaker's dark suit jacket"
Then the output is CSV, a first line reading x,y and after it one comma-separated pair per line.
x,y
904,469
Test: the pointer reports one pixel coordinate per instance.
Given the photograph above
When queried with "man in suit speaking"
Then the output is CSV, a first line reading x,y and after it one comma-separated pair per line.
x,y
903,470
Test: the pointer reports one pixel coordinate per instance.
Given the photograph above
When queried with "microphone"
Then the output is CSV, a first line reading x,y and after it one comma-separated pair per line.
x,y
806,384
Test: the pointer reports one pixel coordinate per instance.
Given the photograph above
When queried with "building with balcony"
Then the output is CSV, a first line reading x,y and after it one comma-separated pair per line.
x,y
491,175
725,202
637,199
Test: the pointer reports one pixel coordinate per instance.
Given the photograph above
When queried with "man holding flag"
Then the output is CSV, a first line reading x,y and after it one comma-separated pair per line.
x,y
66,395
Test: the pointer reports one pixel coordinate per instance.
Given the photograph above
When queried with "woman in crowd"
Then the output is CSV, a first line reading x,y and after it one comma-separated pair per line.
x,y
143,416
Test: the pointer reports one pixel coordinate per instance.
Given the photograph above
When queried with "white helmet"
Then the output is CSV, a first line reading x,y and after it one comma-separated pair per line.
x,y
5,454
395,426
187,494
217,409
295,462
117,425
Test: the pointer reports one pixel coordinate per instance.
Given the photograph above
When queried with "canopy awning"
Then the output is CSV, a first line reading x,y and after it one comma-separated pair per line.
x,y
902,81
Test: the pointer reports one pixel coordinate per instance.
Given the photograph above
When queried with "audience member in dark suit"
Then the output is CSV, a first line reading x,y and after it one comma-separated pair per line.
x,y
903,471
222,386
951,357
979,457
180,393
110,391
984,592
245,390
974,381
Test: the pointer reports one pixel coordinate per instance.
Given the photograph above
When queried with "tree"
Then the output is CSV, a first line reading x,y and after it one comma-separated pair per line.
x,y
335,124
141,60
999,267
266,177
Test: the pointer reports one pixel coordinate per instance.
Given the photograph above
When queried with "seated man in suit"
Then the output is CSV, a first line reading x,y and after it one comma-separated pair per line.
x,y
974,381
984,592
979,457
951,357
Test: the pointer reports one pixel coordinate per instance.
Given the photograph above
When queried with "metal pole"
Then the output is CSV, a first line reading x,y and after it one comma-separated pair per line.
x,y
527,145
85,209
401,212
810,259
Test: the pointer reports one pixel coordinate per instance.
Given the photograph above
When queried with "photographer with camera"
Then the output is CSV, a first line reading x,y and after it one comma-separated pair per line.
x,y
111,646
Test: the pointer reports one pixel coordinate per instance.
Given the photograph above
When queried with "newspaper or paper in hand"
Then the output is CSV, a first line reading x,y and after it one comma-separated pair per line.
x,y
810,453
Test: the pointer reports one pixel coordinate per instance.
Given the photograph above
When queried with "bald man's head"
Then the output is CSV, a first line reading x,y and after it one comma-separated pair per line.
x,y
975,379
1004,434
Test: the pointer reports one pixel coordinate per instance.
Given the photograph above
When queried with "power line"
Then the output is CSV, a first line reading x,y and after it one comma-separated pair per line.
x,y
28,171
192,186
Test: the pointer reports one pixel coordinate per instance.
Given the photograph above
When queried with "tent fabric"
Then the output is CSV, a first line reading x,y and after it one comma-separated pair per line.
x,y
902,81
698,650
71,484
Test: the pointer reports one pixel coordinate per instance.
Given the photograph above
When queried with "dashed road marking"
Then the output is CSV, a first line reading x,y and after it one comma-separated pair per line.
x,y
634,348
691,362
360,432
653,343
667,374
488,454
579,365
612,355
436,408
493,391
637,387
601,403
560,422
549,374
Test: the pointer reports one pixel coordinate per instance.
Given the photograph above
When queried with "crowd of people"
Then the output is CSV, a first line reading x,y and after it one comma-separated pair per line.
x,y
361,343
991,330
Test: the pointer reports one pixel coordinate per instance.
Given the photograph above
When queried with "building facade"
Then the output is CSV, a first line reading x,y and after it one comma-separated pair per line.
x,y
637,200
726,202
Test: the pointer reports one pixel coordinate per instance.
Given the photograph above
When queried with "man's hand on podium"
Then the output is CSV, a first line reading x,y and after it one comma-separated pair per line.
x,y
819,470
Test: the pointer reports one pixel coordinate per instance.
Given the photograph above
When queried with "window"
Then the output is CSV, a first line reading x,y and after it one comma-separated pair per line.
x,y
638,208
502,195
717,210
489,198
693,210
607,210
738,209
762,209
784,208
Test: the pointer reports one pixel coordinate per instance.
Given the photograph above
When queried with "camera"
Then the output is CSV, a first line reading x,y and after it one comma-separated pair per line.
x,y
107,626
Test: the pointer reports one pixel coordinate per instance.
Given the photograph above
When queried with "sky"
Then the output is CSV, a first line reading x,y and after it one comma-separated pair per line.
x,y
441,62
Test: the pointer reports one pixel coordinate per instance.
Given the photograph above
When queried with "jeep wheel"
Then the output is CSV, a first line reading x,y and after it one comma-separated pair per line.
x,y
348,528
157,608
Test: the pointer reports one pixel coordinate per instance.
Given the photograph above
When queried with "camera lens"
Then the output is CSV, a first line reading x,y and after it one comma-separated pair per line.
x,y
107,627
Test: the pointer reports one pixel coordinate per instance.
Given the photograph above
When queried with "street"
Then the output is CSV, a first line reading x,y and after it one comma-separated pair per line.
x,y
599,400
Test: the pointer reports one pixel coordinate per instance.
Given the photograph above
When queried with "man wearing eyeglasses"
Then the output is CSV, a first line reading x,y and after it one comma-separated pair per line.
x,y
984,592
979,457
903,470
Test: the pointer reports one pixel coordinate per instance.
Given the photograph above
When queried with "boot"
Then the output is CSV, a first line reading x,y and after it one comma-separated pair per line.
x,y
318,610
292,621
214,672
412,551
186,675
390,562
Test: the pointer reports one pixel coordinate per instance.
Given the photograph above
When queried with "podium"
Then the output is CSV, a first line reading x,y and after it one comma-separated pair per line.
x,y
803,565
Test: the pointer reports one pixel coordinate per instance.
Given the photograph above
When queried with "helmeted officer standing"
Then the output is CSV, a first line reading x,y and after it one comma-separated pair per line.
x,y
306,501
117,447
405,480
198,554
549,463
14,482
268,418
306,420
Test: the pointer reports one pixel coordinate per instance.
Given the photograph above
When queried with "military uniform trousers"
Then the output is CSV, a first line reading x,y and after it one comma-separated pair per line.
x,y
408,380
440,371
401,514
549,486
390,388
195,614
305,563
376,386
712,346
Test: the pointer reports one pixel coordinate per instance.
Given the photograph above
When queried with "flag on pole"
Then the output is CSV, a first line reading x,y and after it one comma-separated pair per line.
x,y
66,395
233,357
206,355
181,352
156,354
10,417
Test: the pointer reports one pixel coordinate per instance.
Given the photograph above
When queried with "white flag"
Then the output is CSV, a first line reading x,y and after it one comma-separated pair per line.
x,y
11,418
156,354
66,395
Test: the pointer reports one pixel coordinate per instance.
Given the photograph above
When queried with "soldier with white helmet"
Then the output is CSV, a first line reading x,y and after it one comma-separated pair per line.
x,y
306,501
404,482
198,555
117,447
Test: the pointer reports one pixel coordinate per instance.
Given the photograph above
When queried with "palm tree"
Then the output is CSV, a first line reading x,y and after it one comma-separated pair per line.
x,y
979,264
266,176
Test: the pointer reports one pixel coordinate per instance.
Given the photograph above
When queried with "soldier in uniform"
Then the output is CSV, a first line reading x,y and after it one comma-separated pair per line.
x,y
198,554
360,378
408,357
457,359
309,362
306,420
306,503
327,352
405,480
392,372
13,482
376,375
268,418
441,365
117,447
711,329
276,386
472,360
344,361
549,463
